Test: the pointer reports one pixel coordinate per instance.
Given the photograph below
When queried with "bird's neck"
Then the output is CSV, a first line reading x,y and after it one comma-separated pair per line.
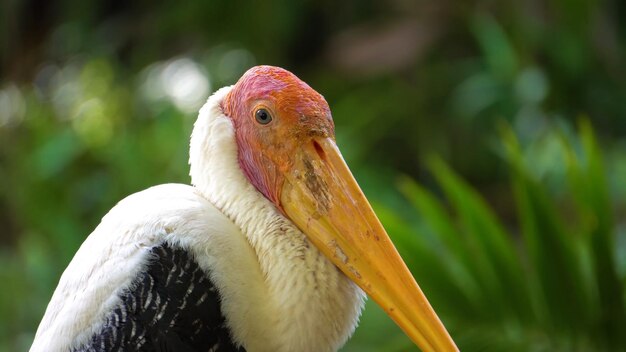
x,y
313,306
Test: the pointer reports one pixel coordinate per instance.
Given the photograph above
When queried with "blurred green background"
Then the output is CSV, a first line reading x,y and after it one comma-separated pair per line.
x,y
489,135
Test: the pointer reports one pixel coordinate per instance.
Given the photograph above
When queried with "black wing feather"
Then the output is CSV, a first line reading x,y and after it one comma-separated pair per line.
x,y
173,306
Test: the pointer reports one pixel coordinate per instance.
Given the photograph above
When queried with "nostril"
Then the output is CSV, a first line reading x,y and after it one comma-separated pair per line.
x,y
319,150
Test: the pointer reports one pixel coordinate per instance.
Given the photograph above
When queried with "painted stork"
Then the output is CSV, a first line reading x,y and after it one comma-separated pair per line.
x,y
269,250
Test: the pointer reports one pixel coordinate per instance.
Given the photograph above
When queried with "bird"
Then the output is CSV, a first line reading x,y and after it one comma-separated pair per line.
x,y
272,247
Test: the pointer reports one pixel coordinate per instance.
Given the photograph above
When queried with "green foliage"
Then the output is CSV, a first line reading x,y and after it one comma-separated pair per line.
x,y
90,112
551,286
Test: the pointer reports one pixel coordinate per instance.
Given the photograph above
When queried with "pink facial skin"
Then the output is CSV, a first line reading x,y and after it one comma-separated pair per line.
x,y
298,113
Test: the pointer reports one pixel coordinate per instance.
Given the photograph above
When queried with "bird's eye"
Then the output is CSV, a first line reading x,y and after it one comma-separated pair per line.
x,y
263,116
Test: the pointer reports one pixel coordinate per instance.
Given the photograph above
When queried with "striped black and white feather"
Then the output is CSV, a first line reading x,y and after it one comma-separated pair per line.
x,y
172,306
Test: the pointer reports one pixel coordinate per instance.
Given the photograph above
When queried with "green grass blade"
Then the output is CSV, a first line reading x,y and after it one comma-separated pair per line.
x,y
552,254
588,178
453,250
494,258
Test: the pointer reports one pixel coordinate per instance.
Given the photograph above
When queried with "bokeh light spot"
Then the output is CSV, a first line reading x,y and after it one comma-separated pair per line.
x,y
12,105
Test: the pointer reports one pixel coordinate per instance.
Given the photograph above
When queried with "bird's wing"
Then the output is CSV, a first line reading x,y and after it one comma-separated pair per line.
x,y
142,239
171,306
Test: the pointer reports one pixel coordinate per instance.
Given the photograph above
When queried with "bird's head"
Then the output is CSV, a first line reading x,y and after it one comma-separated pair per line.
x,y
276,116
286,148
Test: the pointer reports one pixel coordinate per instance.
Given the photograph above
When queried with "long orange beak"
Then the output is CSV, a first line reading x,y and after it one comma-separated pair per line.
x,y
323,199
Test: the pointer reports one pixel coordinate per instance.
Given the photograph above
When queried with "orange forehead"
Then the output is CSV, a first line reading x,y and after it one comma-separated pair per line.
x,y
287,95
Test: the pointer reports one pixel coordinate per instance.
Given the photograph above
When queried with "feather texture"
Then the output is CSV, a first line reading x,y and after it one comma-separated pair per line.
x,y
172,306
277,291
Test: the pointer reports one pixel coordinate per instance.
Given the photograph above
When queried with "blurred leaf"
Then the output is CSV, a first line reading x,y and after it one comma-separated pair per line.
x,y
494,260
498,51
587,176
451,250
565,301
55,154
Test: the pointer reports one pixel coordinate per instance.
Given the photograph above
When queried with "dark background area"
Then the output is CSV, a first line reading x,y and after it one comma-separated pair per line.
x,y
521,247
